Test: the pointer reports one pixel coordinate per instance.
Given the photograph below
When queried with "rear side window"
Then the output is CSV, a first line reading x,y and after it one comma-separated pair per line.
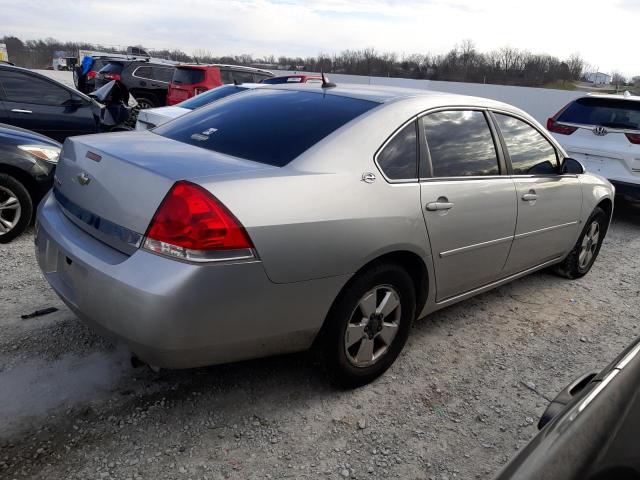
x,y
399,158
162,74
22,88
260,77
242,77
529,151
604,112
112,67
187,76
211,96
460,144
264,125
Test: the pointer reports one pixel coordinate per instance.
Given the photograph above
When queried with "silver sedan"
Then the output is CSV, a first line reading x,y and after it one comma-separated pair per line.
x,y
289,217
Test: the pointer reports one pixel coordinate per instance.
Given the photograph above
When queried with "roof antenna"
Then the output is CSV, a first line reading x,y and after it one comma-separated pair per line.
x,y
325,82
236,82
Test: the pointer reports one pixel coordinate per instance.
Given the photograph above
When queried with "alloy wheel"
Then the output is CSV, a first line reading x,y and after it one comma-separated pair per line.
x,y
589,245
10,210
373,325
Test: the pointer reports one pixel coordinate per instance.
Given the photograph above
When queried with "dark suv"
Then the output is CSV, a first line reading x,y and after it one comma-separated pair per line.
x,y
147,79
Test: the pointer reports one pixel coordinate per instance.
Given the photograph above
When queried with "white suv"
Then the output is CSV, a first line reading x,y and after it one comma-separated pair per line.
x,y
603,132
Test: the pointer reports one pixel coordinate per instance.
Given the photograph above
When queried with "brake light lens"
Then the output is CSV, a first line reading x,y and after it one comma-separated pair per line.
x,y
633,138
192,224
199,90
91,74
555,127
111,76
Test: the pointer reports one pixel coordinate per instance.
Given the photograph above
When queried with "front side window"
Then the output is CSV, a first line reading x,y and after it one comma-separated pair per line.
x,y
242,77
460,144
399,158
530,152
22,88
265,125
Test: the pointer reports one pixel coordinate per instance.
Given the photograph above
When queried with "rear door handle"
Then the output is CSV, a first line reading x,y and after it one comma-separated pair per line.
x,y
19,110
434,206
529,197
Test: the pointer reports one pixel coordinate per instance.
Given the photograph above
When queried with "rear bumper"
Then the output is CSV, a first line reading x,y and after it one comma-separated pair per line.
x,y
174,314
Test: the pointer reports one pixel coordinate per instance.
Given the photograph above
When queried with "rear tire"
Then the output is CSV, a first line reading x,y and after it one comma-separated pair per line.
x,y
146,101
16,208
580,260
368,325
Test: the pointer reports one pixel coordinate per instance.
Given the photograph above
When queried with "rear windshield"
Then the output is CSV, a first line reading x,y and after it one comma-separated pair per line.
x,y
604,112
187,76
265,125
211,96
112,67
276,80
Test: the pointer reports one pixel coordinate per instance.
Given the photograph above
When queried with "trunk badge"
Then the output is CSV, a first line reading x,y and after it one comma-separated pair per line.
x,y
83,178
600,131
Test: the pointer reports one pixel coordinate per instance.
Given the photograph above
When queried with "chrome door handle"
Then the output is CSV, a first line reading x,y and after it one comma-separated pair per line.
x,y
434,206
529,197
19,110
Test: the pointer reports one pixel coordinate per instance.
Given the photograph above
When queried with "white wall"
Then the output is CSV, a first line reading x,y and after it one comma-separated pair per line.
x,y
541,103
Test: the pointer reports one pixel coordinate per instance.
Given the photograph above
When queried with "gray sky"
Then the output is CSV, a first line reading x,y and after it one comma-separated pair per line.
x,y
602,31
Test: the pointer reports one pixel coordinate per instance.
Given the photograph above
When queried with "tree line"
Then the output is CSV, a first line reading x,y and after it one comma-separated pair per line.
x,y
463,63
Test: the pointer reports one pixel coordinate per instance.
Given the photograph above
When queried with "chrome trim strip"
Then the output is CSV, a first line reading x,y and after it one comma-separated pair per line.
x,y
475,246
489,286
133,74
628,357
118,237
543,230
594,393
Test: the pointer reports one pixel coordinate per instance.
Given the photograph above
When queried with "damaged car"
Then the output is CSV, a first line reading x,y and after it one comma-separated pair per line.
x,y
34,102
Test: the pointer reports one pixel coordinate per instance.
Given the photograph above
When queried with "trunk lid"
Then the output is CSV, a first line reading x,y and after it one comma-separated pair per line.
x,y
111,185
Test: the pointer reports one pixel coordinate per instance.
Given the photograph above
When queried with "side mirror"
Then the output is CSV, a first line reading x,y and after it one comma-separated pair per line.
x,y
571,165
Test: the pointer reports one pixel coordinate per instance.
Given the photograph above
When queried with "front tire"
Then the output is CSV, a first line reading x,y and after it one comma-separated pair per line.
x,y
16,208
368,325
580,260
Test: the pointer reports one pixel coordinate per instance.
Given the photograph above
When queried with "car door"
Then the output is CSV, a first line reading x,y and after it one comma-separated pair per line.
x,y
549,203
469,203
37,104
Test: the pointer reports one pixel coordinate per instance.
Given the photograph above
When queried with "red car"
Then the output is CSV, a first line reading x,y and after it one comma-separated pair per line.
x,y
190,80
294,79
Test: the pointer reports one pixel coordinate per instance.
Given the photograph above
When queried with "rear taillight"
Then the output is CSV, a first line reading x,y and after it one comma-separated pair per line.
x,y
633,138
192,224
111,76
91,74
199,90
555,127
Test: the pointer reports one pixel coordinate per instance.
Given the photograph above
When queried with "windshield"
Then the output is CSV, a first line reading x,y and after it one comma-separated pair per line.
x,y
211,96
265,125
604,112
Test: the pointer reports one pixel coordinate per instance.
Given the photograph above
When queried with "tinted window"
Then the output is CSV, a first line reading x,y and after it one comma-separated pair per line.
x,y
243,77
20,87
187,76
264,125
112,67
604,112
399,158
529,151
260,77
460,144
225,76
211,96
142,72
162,74
278,80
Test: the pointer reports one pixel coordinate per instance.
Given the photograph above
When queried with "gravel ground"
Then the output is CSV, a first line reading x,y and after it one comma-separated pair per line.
x,y
462,399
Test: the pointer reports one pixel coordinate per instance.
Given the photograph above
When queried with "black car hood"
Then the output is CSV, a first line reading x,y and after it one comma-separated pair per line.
x,y
25,136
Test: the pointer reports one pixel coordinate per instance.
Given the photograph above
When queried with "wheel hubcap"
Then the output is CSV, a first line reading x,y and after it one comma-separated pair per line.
x,y
589,245
373,326
10,210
